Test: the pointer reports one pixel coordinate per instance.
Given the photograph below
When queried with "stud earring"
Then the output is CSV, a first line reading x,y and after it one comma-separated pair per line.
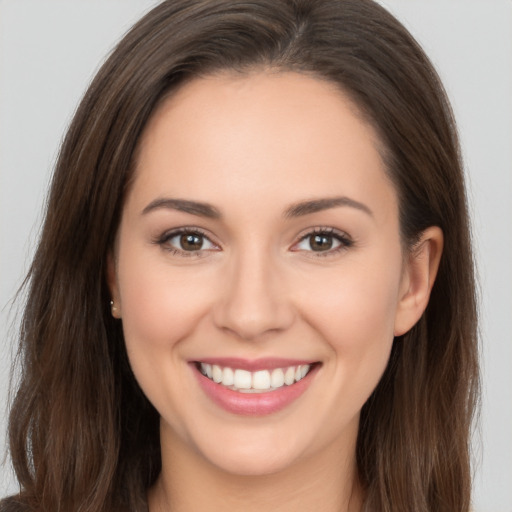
x,y
113,309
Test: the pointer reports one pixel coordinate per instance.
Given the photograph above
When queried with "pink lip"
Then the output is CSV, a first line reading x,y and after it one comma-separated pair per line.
x,y
253,365
253,404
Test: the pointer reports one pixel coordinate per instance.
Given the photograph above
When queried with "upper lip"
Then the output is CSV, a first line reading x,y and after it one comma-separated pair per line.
x,y
252,365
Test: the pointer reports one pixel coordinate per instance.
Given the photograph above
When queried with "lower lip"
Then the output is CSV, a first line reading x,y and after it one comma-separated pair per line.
x,y
253,404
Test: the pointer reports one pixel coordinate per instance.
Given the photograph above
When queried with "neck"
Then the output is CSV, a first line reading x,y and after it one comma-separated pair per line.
x,y
328,482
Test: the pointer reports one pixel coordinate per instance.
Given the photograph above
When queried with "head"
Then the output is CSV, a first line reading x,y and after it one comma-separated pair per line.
x,y
353,49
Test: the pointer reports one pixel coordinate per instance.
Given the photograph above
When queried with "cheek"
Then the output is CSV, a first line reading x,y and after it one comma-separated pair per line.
x,y
354,312
355,306
159,306
355,320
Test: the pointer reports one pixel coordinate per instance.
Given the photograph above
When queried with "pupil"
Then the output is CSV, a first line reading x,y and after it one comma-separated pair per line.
x,y
191,242
321,242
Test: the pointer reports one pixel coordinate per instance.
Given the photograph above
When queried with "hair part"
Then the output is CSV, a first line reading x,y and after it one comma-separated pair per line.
x,y
83,437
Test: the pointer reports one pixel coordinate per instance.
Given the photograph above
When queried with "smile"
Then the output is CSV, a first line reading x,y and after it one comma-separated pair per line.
x,y
260,381
254,388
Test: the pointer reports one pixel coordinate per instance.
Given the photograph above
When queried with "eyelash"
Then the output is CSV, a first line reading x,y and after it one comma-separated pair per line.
x,y
164,239
344,240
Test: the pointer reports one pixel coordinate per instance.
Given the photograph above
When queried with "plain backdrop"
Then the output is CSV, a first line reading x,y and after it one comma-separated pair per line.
x,y
49,50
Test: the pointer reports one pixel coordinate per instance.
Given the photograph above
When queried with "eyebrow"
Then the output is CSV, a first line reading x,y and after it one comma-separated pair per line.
x,y
184,205
295,210
318,205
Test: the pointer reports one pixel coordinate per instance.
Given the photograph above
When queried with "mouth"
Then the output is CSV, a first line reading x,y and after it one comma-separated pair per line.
x,y
254,388
261,381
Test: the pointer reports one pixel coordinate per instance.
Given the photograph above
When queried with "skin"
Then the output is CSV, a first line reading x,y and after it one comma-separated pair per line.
x,y
251,146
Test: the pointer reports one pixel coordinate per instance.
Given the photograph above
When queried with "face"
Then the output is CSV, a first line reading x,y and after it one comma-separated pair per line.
x,y
259,244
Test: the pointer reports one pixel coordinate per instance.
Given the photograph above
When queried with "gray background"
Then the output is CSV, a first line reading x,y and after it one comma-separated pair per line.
x,y
49,50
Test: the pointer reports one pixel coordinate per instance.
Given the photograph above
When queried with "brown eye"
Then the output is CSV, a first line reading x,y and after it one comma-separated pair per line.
x,y
321,242
191,242
186,242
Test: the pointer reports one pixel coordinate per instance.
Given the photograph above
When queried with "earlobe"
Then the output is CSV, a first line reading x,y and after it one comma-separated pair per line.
x,y
419,276
115,305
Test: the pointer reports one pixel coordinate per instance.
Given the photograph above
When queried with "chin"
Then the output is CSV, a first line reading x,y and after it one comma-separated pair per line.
x,y
262,465
256,458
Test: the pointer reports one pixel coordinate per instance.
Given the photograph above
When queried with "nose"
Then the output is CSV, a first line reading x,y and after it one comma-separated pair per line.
x,y
254,299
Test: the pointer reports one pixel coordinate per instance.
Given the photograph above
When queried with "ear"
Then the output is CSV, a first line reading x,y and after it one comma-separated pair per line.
x,y
419,274
115,304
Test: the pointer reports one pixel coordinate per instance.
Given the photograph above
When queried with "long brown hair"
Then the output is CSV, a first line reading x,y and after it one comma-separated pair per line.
x,y
83,437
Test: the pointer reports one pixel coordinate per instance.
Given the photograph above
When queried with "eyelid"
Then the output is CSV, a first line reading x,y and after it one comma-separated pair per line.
x,y
164,238
342,237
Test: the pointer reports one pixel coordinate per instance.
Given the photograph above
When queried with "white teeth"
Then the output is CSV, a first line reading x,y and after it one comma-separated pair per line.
x,y
289,376
254,382
216,373
242,379
261,380
277,378
206,369
251,390
228,377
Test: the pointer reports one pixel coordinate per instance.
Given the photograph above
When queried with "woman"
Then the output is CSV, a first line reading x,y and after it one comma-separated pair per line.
x,y
254,283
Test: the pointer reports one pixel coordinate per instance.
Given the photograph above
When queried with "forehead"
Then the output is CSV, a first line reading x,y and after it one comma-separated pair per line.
x,y
280,135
